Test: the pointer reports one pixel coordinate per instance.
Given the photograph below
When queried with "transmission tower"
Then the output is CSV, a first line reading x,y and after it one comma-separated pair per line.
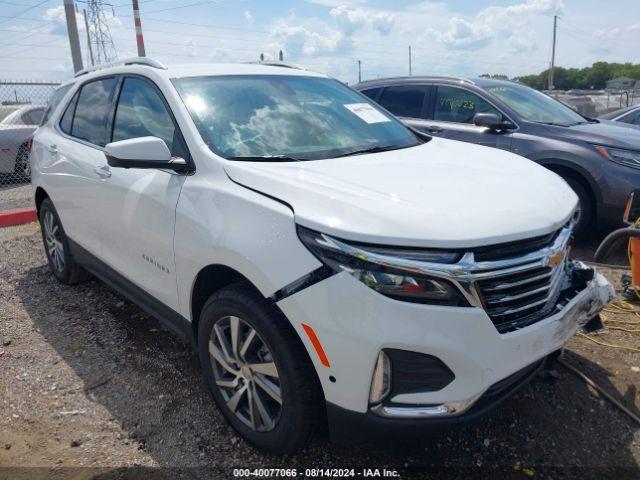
x,y
100,40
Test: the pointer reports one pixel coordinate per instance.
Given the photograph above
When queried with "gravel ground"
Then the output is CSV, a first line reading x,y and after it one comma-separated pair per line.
x,y
92,387
15,196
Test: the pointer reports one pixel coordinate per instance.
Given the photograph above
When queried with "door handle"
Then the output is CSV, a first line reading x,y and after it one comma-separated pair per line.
x,y
434,129
53,149
103,171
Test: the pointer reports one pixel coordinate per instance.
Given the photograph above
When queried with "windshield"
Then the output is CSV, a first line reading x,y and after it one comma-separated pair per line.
x,y
271,117
535,106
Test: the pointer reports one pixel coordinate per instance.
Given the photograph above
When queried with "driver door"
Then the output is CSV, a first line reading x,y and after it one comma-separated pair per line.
x,y
138,214
451,116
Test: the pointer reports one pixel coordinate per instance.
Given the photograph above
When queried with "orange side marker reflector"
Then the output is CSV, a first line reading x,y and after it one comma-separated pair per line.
x,y
316,344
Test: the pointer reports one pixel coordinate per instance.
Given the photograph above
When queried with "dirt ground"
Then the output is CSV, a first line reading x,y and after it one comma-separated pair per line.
x,y
92,387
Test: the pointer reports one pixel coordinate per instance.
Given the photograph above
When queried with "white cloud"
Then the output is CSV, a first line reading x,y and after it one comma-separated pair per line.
x,y
336,3
248,16
465,35
349,20
521,44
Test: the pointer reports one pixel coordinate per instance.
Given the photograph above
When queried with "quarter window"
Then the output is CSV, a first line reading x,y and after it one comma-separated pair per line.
x,y
66,122
92,111
404,101
141,112
458,105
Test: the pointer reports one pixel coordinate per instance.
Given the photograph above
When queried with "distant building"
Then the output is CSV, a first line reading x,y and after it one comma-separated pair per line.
x,y
623,83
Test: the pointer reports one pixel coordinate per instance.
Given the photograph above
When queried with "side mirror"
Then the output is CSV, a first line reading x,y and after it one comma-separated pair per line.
x,y
143,152
492,121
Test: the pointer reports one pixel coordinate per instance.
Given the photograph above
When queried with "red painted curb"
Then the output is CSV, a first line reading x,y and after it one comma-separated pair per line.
x,y
16,217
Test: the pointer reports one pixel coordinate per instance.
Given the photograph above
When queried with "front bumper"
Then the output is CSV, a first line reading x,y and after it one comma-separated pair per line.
x,y
353,323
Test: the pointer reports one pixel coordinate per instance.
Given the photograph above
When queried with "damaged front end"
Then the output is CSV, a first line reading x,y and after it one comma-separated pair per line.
x,y
584,293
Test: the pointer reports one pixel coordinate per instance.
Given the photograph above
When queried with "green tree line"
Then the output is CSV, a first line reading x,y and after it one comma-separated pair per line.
x,y
595,76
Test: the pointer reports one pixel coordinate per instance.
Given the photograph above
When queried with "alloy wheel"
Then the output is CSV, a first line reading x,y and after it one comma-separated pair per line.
x,y
245,373
53,241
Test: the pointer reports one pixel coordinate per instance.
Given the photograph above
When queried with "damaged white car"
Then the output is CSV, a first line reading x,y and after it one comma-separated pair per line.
x,y
325,261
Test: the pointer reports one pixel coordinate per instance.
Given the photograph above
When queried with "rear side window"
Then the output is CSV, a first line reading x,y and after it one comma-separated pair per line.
x,y
94,104
33,117
55,98
66,122
458,105
405,100
372,93
141,112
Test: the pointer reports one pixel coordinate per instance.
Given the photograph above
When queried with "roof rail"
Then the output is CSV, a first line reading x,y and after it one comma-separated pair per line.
x,y
279,63
149,62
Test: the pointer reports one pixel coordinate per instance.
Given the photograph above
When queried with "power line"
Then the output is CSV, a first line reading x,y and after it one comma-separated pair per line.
x,y
9,17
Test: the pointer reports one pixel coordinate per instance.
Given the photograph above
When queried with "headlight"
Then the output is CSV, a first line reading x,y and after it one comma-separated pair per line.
x,y
377,274
629,158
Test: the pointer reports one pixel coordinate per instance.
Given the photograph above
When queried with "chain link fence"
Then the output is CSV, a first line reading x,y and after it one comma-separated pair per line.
x,y
22,105
595,103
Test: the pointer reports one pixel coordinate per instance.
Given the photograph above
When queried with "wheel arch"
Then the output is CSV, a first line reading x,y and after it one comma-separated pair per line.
x,y
564,168
40,195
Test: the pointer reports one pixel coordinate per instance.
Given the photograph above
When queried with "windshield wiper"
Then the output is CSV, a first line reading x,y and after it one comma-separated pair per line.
x,y
375,149
268,158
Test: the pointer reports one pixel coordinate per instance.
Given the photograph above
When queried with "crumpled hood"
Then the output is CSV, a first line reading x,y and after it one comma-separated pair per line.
x,y
444,193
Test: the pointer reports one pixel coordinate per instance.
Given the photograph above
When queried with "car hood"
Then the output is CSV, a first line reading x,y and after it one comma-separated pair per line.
x,y
603,132
441,194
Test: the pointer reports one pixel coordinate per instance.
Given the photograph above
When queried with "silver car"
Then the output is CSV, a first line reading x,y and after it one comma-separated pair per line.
x,y
17,124
626,116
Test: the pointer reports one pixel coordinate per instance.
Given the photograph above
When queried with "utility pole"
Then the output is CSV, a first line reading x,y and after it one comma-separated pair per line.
x,y
136,21
86,27
553,51
72,30
359,71
410,70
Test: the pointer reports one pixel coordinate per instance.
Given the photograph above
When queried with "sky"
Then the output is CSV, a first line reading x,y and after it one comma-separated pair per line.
x,y
466,38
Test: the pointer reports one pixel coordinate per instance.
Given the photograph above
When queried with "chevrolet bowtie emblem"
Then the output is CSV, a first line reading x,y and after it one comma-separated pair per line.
x,y
556,258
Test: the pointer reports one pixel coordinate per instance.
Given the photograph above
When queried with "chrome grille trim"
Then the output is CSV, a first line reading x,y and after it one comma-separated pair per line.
x,y
467,274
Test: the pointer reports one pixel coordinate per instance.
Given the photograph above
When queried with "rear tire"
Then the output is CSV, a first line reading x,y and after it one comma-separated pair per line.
x,y
266,341
586,216
56,246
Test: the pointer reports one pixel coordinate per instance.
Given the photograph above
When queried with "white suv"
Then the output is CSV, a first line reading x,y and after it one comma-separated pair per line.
x,y
325,261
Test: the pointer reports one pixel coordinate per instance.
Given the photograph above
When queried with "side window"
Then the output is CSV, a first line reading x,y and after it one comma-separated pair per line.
x,y
633,118
405,100
33,117
92,111
55,98
141,112
66,122
372,93
458,105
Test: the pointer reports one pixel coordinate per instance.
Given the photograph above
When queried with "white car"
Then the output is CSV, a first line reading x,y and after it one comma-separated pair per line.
x,y
325,261
17,123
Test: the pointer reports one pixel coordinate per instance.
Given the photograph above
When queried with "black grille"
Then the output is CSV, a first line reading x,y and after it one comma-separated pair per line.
x,y
505,251
517,300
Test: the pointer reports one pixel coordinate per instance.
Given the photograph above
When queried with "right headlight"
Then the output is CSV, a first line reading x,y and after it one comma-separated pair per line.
x,y
372,265
630,158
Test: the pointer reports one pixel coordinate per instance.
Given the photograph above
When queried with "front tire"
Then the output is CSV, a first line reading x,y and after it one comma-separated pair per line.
x,y
56,246
586,210
258,370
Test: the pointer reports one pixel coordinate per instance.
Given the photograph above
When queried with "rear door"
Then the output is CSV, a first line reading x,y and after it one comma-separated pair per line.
x,y
72,158
451,112
138,206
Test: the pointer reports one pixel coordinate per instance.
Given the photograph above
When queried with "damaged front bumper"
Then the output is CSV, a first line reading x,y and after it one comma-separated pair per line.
x,y
583,294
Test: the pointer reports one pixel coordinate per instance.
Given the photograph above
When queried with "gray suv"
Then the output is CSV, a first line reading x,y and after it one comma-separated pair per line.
x,y
600,161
